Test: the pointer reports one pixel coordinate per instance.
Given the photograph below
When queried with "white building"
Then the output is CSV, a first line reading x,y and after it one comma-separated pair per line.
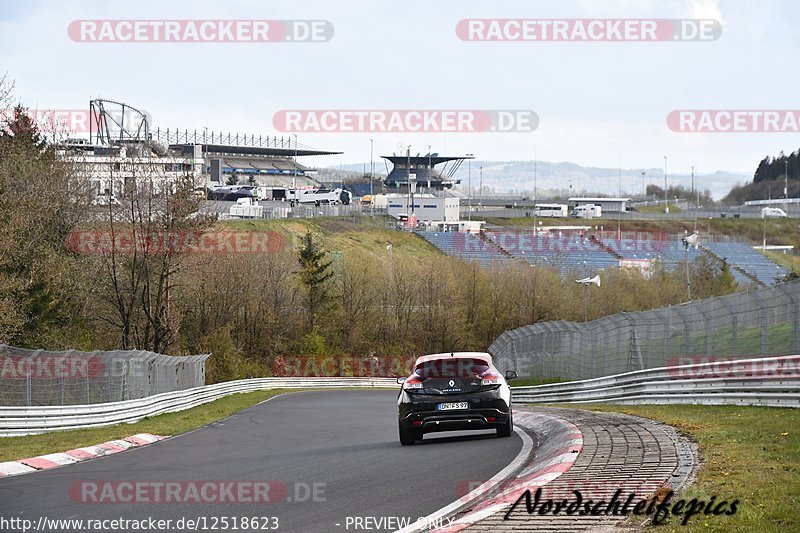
x,y
426,207
607,205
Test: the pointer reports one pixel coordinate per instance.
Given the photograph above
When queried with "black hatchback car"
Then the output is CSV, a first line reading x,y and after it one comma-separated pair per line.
x,y
454,391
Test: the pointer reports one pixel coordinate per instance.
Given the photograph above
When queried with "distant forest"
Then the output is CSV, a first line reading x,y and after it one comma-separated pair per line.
x,y
769,180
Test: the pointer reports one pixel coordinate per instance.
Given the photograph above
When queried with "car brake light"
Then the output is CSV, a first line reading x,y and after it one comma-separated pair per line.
x,y
412,383
490,379
416,423
491,419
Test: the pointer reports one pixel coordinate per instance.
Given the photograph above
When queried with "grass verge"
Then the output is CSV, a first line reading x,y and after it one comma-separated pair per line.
x,y
748,453
14,448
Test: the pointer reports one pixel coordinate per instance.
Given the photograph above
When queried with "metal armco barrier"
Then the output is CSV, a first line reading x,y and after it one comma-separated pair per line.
x,y
766,381
20,420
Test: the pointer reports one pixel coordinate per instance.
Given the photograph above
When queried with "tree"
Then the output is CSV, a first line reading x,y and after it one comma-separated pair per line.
x,y
149,237
315,272
41,202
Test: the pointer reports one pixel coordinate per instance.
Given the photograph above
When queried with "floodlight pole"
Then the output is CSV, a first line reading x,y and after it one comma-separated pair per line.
x,y
429,168
666,197
480,200
371,181
786,183
469,187
535,177
688,279
644,188
294,177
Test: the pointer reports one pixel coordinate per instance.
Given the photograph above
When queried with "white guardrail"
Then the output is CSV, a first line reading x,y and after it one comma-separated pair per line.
x,y
767,381
22,420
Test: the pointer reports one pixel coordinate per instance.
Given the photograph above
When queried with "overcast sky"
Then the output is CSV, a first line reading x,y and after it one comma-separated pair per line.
x,y
599,103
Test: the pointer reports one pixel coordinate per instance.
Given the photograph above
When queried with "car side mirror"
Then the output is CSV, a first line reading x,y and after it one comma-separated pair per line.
x,y
400,381
511,374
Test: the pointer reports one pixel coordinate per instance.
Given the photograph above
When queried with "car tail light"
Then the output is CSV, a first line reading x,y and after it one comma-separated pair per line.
x,y
416,423
491,419
490,379
412,383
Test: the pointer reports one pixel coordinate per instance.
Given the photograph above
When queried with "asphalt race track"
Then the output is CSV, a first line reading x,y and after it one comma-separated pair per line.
x,y
343,443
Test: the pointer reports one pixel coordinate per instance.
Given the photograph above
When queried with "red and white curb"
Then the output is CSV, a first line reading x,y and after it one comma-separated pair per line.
x,y
562,442
54,460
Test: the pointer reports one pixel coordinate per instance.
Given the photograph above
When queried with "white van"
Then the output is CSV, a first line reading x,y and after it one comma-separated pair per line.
x,y
587,211
773,212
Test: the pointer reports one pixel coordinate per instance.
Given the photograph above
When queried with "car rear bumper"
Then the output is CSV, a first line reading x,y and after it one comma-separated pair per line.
x,y
486,411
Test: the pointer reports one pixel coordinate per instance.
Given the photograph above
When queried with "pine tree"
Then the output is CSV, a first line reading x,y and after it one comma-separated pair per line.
x,y
315,272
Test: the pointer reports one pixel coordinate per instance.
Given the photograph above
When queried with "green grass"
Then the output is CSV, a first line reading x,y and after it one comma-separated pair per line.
x,y
748,453
169,424
366,240
657,209
791,262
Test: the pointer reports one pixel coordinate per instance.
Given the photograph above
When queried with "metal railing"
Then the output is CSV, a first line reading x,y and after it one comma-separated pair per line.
x,y
16,421
756,323
766,381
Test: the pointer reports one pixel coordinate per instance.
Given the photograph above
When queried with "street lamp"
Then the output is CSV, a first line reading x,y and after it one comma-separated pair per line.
x,y
480,197
294,177
666,198
644,188
689,240
429,168
586,282
786,183
371,181
469,187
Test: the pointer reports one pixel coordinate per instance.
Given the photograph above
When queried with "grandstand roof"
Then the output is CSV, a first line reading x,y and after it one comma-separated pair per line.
x,y
250,150
434,160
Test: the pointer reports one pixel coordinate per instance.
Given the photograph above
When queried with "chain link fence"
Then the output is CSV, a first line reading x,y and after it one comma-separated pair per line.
x,y
40,377
757,323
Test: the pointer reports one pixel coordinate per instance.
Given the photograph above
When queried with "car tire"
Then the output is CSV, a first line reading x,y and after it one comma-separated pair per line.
x,y
508,428
408,436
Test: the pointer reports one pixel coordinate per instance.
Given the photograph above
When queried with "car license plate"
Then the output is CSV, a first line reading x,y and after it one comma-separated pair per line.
x,y
452,406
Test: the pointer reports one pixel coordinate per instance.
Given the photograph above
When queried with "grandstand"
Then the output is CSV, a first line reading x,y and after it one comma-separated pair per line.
x,y
743,256
466,246
570,255
577,255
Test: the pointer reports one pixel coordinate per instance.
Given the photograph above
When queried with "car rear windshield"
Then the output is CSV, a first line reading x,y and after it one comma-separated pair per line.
x,y
454,367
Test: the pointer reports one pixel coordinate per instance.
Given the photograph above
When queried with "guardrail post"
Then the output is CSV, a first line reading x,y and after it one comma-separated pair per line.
x,y
734,331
